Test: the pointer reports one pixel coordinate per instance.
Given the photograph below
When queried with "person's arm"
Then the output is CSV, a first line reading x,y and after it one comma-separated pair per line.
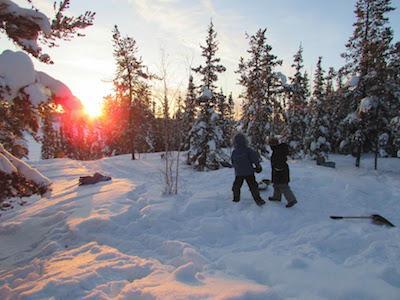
x,y
255,159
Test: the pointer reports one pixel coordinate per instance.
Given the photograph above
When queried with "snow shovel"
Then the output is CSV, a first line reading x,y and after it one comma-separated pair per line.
x,y
376,219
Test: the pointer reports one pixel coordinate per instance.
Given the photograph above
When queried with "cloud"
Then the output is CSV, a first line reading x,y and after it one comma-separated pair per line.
x,y
187,22
183,24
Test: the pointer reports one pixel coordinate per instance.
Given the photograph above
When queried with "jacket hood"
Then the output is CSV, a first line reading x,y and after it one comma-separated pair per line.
x,y
240,141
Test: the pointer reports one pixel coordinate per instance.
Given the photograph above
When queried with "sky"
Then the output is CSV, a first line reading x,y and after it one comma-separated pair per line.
x,y
178,27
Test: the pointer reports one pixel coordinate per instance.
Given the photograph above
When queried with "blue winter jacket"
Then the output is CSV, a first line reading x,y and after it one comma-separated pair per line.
x,y
243,158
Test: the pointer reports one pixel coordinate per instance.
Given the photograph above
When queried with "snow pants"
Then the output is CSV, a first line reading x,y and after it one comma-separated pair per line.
x,y
284,189
253,186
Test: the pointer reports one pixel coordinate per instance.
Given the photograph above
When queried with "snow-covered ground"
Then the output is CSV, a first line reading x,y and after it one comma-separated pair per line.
x,y
123,240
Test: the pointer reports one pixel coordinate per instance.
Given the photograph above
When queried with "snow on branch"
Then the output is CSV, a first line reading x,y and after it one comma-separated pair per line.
x,y
27,27
18,75
10,163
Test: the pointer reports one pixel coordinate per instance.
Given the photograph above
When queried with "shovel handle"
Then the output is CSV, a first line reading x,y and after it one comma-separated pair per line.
x,y
341,217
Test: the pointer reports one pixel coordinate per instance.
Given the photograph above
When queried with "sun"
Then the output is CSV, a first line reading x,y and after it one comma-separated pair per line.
x,y
93,108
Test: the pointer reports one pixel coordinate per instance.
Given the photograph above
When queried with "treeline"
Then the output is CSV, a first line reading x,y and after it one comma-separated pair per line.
x,y
351,110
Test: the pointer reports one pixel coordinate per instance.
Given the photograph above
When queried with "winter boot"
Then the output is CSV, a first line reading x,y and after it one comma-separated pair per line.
x,y
290,204
260,202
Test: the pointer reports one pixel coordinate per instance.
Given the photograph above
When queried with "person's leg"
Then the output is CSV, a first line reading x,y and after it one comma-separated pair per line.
x,y
237,184
253,186
277,193
290,197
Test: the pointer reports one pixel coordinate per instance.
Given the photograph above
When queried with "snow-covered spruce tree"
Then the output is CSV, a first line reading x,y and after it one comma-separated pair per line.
x,y
394,93
224,122
206,136
50,139
298,92
189,113
261,88
143,121
130,77
367,53
230,120
21,84
343,118
332,100
317,134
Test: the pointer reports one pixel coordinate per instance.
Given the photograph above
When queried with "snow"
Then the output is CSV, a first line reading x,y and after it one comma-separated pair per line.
x,y
23,168
353,81
36,94
206,93
122,240
368,103
61,92
351,118
282,77
17,72
6,166
9,7
35,148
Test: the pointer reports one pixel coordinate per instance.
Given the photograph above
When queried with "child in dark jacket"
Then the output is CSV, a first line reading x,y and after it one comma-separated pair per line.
x,y
243,158
280,172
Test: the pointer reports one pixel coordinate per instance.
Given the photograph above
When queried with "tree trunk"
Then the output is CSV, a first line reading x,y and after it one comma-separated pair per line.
x,y
376,153
358,156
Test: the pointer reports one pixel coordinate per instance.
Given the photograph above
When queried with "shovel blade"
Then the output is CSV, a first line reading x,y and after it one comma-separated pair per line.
x,y
379,220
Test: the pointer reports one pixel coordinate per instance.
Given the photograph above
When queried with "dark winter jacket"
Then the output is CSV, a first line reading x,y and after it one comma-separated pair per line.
x,y
279,167
243,158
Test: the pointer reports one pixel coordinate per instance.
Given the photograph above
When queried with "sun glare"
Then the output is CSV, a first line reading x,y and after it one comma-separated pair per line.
x,y
92,108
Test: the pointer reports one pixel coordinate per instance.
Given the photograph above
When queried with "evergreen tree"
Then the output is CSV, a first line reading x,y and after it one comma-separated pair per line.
x,y
332,101
50,138
206,137
230,119
261,87
189,113
317,135
367,53
144,120
222,110
130,78
212,67
298,93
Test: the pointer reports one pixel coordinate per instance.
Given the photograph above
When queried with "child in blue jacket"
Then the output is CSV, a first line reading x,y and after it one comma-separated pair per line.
x,y
243,158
